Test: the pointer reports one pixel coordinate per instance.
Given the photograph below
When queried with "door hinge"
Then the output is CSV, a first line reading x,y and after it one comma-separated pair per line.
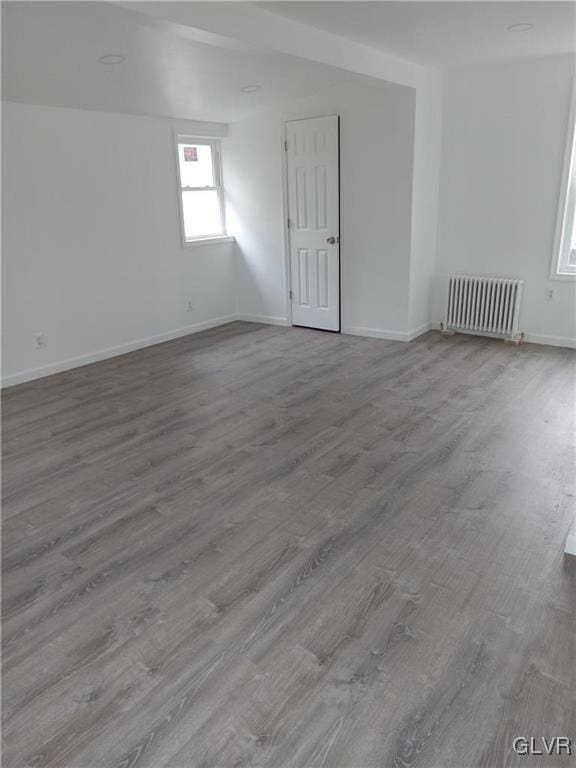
x,y
288,223
291,295
285,146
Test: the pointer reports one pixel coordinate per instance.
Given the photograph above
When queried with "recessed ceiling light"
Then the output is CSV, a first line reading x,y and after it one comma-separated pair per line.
x,y
112,58
519,27
250,88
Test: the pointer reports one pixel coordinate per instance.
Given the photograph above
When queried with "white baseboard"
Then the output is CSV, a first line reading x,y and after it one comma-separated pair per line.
x,y
104,354
121,349
377,333
536,338
266,319
552,341
415,332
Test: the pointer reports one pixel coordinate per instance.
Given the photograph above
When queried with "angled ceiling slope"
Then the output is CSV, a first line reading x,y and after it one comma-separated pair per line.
x,y
50,53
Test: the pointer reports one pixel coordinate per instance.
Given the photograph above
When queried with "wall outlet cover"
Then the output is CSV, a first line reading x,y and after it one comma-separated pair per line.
x,y
39,341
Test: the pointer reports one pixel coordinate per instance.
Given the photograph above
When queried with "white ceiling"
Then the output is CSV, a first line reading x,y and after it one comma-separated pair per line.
x,y
445,33
50,50
50,54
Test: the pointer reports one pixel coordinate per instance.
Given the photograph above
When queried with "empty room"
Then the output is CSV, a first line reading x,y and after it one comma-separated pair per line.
x,y
288,384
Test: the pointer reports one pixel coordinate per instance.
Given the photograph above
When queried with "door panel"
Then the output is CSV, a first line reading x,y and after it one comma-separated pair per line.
x,y
313,210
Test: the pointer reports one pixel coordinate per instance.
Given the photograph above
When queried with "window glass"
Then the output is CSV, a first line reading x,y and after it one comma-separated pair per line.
x,y
201,211
196,169
565,241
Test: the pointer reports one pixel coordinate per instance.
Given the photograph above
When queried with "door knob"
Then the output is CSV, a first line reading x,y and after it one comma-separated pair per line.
x,y
331,240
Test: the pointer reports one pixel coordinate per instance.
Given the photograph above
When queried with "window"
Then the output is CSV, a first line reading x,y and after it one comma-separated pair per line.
x,y
564,264
201,196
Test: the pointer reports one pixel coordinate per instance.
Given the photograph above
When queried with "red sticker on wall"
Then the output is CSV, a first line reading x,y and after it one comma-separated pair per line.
x,y
190,154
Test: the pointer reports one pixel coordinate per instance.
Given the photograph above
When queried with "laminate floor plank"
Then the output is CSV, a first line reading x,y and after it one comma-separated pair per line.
x,y
281,548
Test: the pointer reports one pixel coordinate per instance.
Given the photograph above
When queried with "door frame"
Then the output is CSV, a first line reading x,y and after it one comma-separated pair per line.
x,y
286,229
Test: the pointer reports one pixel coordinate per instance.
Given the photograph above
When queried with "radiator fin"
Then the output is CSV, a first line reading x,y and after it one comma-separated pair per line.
x,y
484,305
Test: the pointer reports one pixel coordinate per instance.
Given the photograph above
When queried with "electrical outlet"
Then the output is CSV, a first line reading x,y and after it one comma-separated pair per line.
x,y
190,306
39,341
549,294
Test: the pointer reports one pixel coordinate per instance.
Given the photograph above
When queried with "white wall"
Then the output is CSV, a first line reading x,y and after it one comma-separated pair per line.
x,y
426,182
377,138
254,215
503,144
92,255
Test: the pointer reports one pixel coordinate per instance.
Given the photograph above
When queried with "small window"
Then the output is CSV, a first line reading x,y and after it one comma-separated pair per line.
x,y
564,264
200,182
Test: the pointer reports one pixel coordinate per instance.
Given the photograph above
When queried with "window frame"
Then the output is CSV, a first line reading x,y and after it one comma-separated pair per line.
x,y
183,138
561,268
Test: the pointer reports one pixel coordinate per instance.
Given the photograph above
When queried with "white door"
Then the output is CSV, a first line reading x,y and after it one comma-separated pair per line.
x,y
312,152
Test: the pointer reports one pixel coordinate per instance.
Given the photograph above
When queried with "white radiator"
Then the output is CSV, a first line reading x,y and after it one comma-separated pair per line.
x,y
489,306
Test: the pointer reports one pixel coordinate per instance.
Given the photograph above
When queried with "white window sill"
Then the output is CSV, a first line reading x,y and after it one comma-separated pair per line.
x,y
563,276
209,240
